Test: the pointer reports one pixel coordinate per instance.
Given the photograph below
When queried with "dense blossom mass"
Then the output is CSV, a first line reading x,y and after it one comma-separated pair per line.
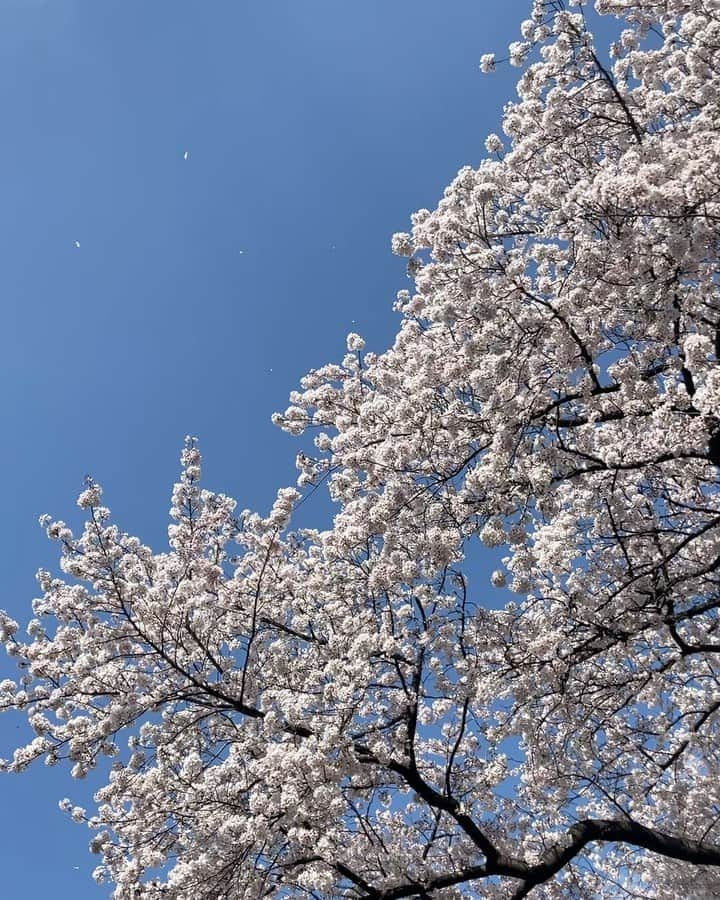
x,y
340,713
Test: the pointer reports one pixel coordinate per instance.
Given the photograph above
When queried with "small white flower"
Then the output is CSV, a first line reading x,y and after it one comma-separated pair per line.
x,y
355,343
518,52
402,244
90,497
494,144
487,62
498,579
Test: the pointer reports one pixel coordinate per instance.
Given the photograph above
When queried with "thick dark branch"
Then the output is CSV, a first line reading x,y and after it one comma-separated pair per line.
x,y
434,884
447,804
370,892
557,857
608,831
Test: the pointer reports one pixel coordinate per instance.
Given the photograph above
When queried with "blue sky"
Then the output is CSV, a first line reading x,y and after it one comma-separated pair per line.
x,y
313,129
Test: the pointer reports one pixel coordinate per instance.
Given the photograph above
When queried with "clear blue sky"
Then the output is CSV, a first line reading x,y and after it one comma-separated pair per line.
x,y
313,128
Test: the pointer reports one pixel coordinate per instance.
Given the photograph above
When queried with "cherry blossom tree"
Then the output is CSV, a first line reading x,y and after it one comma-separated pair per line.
x,y
340,713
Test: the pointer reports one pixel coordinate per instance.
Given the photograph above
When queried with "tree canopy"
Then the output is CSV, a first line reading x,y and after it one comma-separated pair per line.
x,y
341,712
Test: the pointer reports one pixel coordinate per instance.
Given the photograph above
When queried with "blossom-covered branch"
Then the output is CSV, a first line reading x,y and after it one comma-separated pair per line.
x,y
347,712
